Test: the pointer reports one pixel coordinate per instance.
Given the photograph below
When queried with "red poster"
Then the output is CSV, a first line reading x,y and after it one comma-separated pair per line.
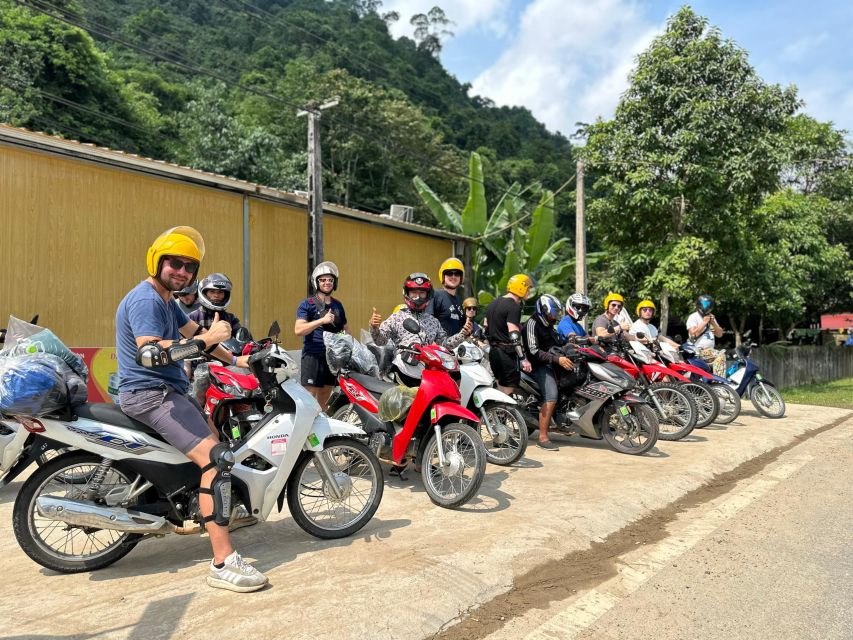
x,y
103,372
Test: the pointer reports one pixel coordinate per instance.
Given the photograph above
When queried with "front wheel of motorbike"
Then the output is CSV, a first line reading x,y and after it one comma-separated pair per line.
x,y
313,504
677,414
767,400
59,546
707,402
637,437
456,482
510,442
729,403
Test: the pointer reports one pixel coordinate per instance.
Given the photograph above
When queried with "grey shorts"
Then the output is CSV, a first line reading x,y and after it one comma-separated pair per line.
x,y
173,415
544,377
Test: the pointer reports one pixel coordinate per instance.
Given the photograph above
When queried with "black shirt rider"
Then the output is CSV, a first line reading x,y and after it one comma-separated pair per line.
x,y
447,308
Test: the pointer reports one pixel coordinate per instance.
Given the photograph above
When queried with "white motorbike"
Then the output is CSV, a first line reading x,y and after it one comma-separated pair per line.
x,y
502,426
121,483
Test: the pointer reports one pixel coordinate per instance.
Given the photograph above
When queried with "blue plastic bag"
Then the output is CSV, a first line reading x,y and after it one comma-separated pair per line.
x,y
35,384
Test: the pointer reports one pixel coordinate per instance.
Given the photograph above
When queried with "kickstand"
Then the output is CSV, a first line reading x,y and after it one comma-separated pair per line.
x,y
398,470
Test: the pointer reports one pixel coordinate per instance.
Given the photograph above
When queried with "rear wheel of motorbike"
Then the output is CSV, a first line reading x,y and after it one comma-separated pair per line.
x,y
639,437
457,482
707,402
510,443
347,414
729,403
679,414
767,400
59,546
315,507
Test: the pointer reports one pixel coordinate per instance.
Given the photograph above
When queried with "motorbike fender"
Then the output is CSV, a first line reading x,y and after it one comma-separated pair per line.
x,y
441,410
325,427
25,457
11,444
482,395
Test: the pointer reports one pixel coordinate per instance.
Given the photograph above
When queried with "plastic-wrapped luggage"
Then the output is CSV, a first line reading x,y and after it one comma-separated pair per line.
x,y
396,402
23,338
345,352
38,384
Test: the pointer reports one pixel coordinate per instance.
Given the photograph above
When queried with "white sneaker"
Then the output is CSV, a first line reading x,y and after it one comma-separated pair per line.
x,y
237,575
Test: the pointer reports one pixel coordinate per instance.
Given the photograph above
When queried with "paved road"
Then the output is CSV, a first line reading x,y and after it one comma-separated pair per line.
x,y
771,558
539,530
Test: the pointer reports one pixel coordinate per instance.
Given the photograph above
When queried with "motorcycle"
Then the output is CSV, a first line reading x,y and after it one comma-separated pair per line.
x,y
602,406
502,427
436,431
137,486
745,378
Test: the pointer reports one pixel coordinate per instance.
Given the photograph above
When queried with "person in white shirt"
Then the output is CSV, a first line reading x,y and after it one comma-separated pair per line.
x,y
703,329
643,323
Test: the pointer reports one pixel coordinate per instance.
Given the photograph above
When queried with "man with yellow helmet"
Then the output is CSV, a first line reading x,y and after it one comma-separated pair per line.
x,y
643,323
613,307
503,327
153,386
446,306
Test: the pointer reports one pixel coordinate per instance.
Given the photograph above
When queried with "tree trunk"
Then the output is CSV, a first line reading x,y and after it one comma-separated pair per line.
x,y
664,311
761,329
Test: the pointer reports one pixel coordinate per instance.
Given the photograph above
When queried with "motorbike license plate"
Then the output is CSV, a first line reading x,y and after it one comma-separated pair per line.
x,y
624,411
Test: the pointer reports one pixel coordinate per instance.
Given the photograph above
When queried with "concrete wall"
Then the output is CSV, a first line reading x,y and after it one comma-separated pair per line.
x,y
792,366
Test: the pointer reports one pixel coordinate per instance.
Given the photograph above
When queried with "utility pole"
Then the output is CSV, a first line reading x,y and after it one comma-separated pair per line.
x,y
580,231
315,186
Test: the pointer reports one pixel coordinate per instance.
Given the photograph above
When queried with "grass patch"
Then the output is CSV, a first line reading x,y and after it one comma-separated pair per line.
x,y
838,393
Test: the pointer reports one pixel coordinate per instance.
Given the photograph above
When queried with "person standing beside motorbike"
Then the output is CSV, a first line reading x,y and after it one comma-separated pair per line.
x,y
152,336
503,329
702,330
188,298
417,293
539,337
613,307
445,305
316,315
643,324
214,295
577,306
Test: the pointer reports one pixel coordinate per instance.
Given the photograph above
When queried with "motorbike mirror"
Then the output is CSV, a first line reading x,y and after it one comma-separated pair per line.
x,y
35,319
640,335
411,325
242,335
275,330
677,338
611,329
460,350
747,333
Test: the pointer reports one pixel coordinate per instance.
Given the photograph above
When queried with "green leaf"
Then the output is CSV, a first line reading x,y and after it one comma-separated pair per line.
x,y
474,213
541,229
485,298
444,214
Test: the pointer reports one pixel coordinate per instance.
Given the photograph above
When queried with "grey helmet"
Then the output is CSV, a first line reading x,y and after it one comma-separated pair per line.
x,y
190,289
220,282
577,306
325,269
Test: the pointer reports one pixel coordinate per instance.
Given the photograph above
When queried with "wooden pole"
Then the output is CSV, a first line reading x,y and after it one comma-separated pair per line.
x,y
580,231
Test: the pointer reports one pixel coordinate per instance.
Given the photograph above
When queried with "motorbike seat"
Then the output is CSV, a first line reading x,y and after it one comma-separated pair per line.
x,y
372,384
111,414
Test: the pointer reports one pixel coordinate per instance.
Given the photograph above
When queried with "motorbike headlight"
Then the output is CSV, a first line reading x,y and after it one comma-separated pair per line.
x,y
448,361
475,354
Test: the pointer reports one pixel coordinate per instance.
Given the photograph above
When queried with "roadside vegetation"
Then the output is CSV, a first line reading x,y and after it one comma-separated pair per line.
x,y
838,393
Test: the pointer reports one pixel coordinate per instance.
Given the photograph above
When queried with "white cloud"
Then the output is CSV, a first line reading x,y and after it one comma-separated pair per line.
x,y
467,15
570,60
803,47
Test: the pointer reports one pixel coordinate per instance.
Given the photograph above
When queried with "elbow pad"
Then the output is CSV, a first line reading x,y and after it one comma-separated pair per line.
x,y
515,339
153,355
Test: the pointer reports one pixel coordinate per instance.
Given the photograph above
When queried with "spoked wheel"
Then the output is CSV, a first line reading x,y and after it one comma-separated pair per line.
x,y
510,440
64,547
634,438
729,403
313,502
51,454
707,402
347,414
458,480
675,409
767,400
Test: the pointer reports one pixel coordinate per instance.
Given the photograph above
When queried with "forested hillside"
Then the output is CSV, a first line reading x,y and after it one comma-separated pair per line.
x,y
216,84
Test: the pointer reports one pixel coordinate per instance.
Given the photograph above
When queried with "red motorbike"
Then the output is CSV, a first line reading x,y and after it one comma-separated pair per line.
x,y
432,428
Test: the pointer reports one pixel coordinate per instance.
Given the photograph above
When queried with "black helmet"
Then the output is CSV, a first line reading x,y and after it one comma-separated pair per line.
x,y
704,304
220,282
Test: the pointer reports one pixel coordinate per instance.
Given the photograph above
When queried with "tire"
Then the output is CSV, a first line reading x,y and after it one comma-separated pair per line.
x,y
680,410
347,414
767,400
351,458
707,402
36,541
614,433
729,403
513,434
464,445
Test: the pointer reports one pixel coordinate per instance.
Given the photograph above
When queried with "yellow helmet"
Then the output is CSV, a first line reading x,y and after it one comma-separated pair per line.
x,y
399,307
645,303
613,297
450,264
522,286
185,242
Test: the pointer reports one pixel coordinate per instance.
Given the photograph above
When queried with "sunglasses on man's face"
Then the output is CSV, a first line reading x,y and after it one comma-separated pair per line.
x,y
470,308
177,265
618,305
453,273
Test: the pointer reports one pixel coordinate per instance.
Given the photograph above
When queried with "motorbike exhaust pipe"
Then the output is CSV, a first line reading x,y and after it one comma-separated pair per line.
x,y
86,514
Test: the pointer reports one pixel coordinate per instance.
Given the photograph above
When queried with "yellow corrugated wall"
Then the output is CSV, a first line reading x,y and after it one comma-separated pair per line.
x,y
75,234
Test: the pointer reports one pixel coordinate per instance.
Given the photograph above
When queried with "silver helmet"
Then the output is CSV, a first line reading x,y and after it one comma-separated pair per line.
x,y
218,282
325,269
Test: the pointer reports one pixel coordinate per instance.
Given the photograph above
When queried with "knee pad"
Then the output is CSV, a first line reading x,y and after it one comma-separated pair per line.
x,y
221,459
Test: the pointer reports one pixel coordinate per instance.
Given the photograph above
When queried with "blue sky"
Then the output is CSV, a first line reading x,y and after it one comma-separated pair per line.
x,y
568,60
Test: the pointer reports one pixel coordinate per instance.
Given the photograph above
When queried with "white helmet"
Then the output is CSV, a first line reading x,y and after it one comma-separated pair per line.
x,y
219,282
577,306
325,269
